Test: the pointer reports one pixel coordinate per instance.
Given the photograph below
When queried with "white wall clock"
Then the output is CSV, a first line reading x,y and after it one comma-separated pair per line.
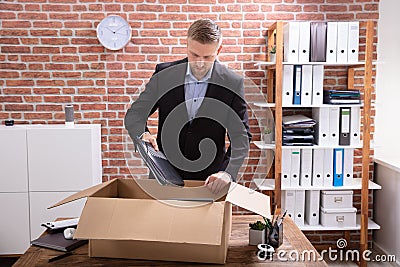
x,y
114,32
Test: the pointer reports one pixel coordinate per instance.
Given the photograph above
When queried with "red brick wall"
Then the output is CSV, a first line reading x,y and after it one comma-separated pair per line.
x,y
50,57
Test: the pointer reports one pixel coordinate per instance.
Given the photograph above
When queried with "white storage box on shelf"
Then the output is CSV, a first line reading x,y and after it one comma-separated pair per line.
x,y
343,217
336,199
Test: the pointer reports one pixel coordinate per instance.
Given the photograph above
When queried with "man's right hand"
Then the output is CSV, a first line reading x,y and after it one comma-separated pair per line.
x,y
147,137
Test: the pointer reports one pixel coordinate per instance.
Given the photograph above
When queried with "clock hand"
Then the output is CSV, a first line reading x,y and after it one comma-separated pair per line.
x,y
110,30
120,33
116,31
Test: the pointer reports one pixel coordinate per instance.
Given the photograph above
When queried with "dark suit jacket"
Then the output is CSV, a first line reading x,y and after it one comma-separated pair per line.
x,y
197,149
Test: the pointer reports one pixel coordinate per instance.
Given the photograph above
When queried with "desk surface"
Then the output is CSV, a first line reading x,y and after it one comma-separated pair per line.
x,y
239,251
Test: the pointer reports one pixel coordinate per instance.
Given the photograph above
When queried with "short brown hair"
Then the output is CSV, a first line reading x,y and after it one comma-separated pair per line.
x,y
204,31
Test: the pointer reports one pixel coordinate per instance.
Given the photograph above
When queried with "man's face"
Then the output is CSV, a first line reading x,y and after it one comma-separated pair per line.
x,y
201,57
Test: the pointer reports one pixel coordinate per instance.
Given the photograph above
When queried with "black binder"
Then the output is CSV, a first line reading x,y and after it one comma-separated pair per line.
x,y
57,241
158,164
344,126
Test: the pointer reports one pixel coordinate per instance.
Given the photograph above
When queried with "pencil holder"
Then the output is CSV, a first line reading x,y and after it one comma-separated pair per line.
x,y
274,236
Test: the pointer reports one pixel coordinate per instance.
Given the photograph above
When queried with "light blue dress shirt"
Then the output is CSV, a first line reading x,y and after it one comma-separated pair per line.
x,y
195,90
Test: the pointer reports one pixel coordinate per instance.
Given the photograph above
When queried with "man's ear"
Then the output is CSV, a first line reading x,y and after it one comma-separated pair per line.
x,y
219,49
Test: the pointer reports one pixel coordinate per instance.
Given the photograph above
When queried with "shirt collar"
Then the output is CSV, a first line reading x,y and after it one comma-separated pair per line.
x,y
190,75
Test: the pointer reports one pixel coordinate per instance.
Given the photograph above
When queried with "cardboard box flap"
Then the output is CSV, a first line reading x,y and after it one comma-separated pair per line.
x,y
86,193
249,199
151,220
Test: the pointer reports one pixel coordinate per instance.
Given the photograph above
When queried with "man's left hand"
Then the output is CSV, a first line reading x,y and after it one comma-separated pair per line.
x,y
217,181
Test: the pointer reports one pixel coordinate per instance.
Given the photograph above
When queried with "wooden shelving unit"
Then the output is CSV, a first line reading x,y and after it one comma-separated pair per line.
x,y
366,134
274,100
269,184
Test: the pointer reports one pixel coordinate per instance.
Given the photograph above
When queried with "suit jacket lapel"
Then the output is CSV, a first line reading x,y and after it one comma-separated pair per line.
x,y
177,74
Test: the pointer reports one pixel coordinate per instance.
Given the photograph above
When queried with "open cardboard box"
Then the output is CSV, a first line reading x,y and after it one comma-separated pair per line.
x,y
140,219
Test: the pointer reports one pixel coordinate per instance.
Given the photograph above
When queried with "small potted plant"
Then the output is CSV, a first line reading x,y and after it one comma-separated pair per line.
x,y
256,233
268,136
272,54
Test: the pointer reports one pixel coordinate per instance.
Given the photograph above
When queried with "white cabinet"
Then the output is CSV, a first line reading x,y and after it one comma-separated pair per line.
x,y
13,166
40,165
63,159
14,199
14,223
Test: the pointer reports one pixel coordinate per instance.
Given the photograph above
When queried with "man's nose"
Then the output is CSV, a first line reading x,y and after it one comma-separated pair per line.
x,y
200,63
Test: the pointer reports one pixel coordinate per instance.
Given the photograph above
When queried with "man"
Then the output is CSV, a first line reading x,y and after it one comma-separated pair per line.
x,y
198,101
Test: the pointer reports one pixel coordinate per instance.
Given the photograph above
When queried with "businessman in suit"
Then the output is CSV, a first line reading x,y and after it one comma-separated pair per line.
x,y
199,103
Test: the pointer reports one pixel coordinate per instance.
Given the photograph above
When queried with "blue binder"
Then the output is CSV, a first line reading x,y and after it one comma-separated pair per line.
x,y
338,163
297,85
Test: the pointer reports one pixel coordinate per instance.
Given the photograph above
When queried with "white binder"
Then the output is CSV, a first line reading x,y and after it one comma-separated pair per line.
x,y
321,115
317,84
331,42
342,36
299,205
286,167
304,41
348,166
353,41
288,200
318,167
312,207
306,167
318,41
306,85
355,139
287,85
291,31
295,170
328,167
334,113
